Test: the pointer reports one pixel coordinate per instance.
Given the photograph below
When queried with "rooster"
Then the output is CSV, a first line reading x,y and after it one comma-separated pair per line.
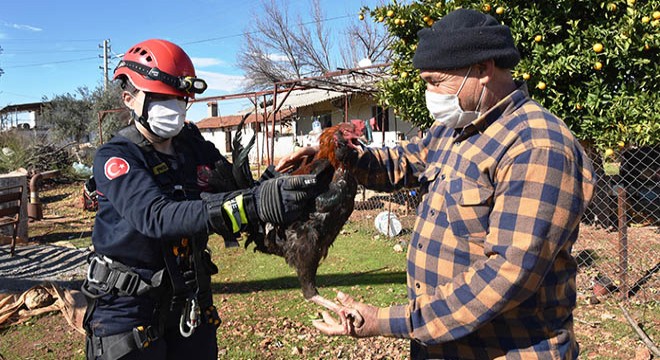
x,y
305,242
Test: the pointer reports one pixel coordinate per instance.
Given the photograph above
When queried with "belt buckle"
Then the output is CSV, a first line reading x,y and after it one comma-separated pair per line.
x,y
93,263
130,284
141,336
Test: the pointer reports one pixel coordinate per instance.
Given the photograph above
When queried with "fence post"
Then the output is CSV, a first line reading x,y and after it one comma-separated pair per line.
x,y
623,241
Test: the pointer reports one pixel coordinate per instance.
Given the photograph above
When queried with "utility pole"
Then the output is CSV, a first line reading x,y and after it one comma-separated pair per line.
x,y
106,50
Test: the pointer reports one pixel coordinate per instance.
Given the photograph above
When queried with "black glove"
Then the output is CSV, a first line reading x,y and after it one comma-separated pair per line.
x,y
279,201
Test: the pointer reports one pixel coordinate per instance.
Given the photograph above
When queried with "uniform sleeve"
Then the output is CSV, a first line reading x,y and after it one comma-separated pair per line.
x,y
138,199
388,169
539,197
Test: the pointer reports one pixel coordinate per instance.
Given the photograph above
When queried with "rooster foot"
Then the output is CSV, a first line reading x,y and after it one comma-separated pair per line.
x,y
343,312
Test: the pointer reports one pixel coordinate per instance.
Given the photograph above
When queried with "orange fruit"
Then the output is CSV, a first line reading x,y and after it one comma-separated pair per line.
x,y
526,76
611,7
380,19
645,19
541,85
598,47
621,144
390,13
609,152
486,8
598,65
578,106
404,74
361,17
499,10
656,15
538,38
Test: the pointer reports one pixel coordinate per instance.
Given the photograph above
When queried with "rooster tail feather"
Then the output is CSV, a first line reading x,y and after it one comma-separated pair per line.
x,y
241,170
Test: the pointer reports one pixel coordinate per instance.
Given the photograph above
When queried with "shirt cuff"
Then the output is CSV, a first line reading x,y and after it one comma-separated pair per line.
x,y
393,321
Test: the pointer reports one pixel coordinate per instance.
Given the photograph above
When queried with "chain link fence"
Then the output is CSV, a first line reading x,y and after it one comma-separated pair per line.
x,y
619,247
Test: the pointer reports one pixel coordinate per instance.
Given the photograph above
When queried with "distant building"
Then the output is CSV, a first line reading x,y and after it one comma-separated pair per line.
x,y
293,126
23,116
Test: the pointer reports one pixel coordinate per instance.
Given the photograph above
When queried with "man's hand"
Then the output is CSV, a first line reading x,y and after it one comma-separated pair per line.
x,y
347,325
294,160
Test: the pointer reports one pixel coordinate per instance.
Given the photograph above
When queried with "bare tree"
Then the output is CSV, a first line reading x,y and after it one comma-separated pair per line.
x,y
365,40
276,49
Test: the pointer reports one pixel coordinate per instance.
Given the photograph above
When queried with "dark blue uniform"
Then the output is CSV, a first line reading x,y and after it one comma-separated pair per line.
x,y
147,202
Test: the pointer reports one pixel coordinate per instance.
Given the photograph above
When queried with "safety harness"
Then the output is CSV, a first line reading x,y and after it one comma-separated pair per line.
x,y
187,266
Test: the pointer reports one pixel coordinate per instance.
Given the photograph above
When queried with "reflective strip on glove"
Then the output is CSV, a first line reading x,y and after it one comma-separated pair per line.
x,y
236,212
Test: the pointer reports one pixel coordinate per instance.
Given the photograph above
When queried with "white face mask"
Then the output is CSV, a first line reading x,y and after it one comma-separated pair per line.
x,y
166,117
447,110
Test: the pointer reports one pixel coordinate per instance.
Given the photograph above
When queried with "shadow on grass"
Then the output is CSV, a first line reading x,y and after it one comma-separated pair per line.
x,y
53,198
61,236
322,281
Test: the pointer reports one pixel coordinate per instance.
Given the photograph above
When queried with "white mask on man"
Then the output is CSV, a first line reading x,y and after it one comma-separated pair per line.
x,y
446,109
166,117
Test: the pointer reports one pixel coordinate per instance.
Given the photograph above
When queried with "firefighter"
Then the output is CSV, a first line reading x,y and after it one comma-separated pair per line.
x,y
149,278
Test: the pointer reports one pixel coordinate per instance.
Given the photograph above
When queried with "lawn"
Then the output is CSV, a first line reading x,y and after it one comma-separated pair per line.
x,y
265,316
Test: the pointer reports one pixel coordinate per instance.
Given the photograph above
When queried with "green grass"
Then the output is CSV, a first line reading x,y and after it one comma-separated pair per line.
x,y
260,300
265,315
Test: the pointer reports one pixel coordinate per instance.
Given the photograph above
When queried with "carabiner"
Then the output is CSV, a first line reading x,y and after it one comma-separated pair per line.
x,y
189,317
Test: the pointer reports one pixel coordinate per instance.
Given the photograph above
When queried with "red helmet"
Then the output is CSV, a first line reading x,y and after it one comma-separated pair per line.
x,y
161,67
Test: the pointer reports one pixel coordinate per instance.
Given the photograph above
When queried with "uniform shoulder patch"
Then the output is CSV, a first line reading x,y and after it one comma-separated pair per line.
x,y
115,167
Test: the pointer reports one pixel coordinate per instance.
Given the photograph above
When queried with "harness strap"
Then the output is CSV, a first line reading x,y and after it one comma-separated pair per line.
x,y
105,276
116,346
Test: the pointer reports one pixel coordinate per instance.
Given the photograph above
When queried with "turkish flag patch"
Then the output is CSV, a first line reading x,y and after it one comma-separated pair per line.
x,y
115,167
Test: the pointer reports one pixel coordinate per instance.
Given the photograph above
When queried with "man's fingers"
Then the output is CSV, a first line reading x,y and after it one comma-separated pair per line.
x,y
345,299
330,326
329,319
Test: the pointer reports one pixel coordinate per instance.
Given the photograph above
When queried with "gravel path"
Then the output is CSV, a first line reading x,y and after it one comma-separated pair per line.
x,y
35,264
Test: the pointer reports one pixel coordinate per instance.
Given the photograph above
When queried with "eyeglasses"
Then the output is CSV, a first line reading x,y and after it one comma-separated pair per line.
x,y
186,84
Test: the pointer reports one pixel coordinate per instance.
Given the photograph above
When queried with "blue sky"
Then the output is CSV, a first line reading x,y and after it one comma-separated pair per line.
x,y
52,47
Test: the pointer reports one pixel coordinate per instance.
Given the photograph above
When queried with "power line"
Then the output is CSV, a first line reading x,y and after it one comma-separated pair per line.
x,y
49,63
30,52
49,40
184,43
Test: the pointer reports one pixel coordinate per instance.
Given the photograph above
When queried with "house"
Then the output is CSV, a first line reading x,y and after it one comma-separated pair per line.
x,y
294,121
23,116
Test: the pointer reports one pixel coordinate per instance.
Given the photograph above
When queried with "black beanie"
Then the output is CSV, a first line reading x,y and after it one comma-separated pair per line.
x,y
463,38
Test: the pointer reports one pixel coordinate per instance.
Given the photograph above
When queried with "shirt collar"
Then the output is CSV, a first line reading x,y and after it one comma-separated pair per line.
x,y
503,108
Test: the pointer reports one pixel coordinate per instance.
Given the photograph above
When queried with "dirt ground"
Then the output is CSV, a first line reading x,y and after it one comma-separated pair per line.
x,y
602,331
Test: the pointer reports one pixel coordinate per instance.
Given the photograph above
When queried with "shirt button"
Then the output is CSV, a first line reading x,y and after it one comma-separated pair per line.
x,y
432,212
442,176
417,285
419,245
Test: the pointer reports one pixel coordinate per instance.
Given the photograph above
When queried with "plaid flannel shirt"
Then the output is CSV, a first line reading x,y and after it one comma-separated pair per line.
x,y
490,271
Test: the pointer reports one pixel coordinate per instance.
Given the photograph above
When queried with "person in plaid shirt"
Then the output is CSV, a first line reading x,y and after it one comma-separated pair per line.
x,y
490,271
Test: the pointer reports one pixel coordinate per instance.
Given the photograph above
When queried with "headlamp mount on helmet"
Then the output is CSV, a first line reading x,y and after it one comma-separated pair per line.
x,y
186,84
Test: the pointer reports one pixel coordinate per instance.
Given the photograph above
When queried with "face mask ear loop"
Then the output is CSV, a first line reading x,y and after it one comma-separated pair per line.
x,y
143,119
464,81
483,90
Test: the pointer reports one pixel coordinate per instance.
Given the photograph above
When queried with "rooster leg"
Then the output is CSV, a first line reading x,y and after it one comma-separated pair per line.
x,y
343,312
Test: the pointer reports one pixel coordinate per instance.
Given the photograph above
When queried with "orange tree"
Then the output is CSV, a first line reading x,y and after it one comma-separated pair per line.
x,y
595,64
